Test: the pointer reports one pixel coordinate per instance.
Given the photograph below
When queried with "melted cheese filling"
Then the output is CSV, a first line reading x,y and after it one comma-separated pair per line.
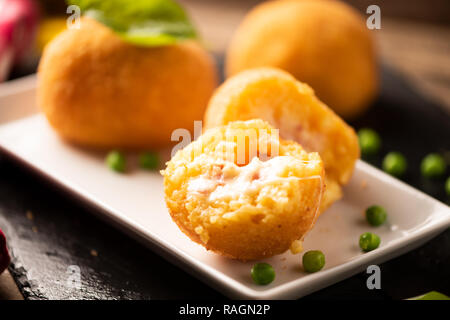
x,y
236,181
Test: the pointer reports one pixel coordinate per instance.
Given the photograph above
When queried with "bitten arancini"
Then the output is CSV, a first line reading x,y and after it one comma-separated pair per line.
x,y
99,91
323,43
277,97
242,192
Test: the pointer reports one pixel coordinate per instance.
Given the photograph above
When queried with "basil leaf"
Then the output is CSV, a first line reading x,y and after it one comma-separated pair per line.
x,y
432,295
141,22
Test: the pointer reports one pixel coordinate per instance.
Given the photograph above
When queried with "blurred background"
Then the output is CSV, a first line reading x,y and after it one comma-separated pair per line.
x,y
414,35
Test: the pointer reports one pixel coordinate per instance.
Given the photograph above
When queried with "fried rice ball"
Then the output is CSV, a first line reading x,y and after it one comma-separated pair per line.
x,y
100,91
242,192
323,43
278,98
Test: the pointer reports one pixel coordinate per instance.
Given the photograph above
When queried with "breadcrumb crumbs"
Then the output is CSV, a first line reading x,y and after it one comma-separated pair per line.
x,y
296,247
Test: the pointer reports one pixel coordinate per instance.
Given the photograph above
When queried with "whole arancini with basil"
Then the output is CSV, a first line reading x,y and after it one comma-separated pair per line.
x,y
99,91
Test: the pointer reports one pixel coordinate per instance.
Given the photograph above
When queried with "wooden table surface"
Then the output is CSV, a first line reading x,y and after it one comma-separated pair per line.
x,y
418,50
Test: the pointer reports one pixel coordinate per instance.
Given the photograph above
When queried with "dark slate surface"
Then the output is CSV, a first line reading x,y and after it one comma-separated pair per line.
x,y
60,233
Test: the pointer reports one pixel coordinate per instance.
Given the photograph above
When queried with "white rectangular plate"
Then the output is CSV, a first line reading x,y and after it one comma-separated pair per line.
x,y
135,201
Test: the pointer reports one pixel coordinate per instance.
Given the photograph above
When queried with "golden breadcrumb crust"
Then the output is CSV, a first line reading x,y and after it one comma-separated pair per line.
x,y
99,91
325,44
275,96
250,210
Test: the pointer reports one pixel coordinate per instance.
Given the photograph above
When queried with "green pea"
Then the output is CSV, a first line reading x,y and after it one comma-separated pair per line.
x,y
395,164
369,141
116,161
376,215
262,273
433,165
313,261
447,186
149,160
369,241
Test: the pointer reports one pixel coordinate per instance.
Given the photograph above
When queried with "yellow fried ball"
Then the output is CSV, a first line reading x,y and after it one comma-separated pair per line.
x,y
48,29
323,43
242,192
99,91
277,97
